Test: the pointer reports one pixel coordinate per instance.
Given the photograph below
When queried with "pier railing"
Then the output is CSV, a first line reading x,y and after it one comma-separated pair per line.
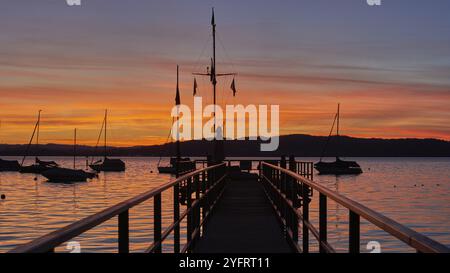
x,y
199,190
290,194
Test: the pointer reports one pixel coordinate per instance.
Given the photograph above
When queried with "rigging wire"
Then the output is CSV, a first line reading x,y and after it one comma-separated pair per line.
x,y
167,141
98,141
328,139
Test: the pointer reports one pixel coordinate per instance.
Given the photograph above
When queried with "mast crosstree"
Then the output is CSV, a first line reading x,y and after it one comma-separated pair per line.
x,y
212,73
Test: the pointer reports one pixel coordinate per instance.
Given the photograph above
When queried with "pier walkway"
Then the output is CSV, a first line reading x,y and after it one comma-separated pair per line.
x,y
243,222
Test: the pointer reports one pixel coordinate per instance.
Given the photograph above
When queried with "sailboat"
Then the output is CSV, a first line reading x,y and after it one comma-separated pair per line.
x,y
39,166
107,164
177,164
339,167
66,175
8,165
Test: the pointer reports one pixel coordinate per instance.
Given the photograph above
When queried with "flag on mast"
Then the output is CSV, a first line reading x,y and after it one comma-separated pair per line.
x,y
233,87
195,86
177,97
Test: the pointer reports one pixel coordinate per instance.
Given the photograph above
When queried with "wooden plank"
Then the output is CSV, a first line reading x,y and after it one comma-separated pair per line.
x,y
243,222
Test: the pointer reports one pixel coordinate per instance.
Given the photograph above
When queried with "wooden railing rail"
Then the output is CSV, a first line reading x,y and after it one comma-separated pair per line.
x,y
291,193
200,189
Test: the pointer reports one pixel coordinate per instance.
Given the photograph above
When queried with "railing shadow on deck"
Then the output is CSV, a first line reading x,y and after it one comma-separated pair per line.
x,y
205,184
290,192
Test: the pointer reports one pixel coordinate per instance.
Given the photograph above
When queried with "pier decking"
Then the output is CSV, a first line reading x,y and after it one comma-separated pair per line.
x,y
243,222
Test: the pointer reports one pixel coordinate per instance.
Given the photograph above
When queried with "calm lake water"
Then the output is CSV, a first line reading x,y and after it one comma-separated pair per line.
x,y
412,191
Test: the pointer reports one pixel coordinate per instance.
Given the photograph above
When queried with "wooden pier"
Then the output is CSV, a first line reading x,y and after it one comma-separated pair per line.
x,y
243,222
230,211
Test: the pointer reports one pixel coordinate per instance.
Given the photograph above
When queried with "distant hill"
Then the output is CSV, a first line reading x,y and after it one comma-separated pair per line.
x,y
298,145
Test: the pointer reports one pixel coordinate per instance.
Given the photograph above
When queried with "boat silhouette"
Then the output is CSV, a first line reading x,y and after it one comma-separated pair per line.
x,y
177,165
107,164
338,167
39,166
8,165
65,175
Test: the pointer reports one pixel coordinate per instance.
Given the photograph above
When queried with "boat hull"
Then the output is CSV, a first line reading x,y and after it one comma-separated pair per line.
x,y
184,167
109,165
338,168
63,175
9,166
36,169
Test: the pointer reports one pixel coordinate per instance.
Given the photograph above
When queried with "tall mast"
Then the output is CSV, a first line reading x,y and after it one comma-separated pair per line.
x,y
177,103
212,73
106,124
338,118
38,127
75,149
213,68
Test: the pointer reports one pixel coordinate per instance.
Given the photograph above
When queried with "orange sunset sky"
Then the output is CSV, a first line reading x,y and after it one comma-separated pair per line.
x,y
388,66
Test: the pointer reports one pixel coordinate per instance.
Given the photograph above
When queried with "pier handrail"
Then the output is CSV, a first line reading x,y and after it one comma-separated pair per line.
x,y
273,174
204,183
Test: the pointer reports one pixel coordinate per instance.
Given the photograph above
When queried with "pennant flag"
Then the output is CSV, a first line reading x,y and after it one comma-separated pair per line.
x,y
195,86
233,87
213,21
213,71
177,97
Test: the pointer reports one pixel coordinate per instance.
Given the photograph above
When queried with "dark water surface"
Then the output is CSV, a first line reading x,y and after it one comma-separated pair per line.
x,y
412,191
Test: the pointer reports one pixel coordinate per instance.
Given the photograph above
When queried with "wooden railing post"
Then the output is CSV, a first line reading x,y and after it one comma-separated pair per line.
x,y
124,241
322,221
305,229
157,222
189,215
176,218
354,233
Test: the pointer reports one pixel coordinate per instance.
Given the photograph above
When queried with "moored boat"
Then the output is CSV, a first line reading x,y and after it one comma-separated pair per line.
x,y
184,165
338,167
107,164
38,167
9,165
67,175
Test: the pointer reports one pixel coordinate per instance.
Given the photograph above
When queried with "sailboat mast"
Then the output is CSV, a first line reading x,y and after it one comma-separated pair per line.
x,y
178,102
106,124
75,149
38,127
213,68
338,118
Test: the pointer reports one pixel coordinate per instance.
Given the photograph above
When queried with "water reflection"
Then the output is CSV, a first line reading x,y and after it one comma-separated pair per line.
x,y
35,207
